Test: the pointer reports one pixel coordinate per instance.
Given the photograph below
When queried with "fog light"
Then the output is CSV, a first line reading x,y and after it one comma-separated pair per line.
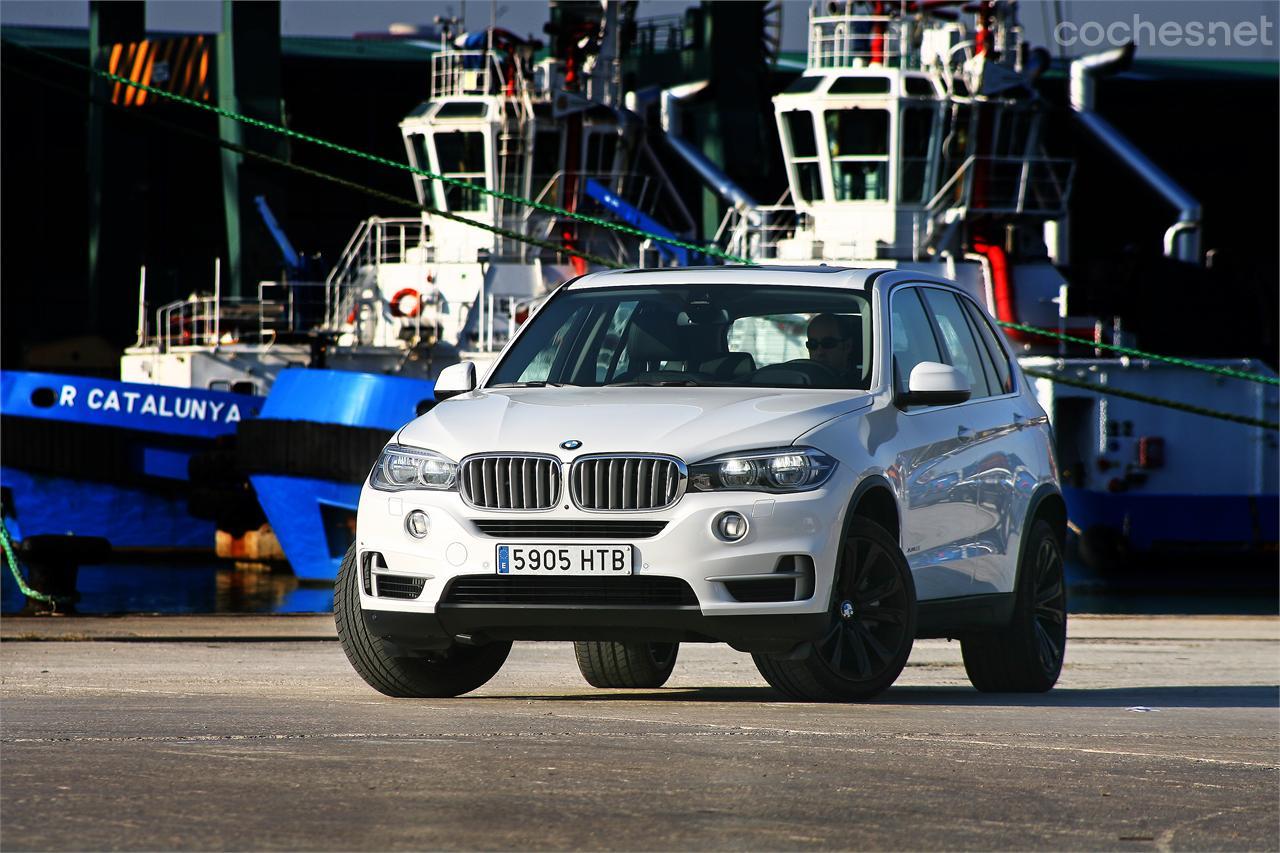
x,y
417,525
730,526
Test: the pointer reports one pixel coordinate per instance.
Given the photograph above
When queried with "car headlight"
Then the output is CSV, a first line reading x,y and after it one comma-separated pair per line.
x,y
791,469
400,468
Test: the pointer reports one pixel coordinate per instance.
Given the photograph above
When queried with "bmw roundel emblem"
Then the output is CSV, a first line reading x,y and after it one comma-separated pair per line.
x,y
571,444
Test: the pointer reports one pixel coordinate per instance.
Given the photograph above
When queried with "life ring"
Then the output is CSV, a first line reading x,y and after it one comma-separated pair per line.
x,y
406,303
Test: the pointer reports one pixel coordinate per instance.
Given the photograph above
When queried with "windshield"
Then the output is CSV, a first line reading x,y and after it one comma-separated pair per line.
x,y
723,334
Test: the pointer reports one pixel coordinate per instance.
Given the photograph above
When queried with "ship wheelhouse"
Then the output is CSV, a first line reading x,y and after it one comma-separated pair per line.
x,y
906,139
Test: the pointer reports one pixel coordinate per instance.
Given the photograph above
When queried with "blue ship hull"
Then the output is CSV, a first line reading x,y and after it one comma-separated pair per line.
x,y
97,457
310,498
128,517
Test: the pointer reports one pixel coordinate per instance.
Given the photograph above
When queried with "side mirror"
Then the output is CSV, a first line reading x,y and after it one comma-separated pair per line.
x,y
934,384
456,379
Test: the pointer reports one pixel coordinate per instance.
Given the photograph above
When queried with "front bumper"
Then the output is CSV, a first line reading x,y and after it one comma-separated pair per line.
x,y
805,526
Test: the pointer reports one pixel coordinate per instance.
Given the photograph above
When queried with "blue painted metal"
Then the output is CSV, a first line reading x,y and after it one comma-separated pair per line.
x,y
1153,520
346,398
128,516
127,405
314,520
133,514
628,213
292,259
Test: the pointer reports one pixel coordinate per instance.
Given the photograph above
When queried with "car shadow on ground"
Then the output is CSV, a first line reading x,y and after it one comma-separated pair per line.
x,y
1137,699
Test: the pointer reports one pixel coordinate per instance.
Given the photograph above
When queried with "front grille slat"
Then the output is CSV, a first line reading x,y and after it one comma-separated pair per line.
x,y
523,481
636,590
398,586
522,528
626,483
490,492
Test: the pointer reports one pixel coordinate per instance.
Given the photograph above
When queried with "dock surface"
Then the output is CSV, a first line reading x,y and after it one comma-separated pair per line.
x,y
246,732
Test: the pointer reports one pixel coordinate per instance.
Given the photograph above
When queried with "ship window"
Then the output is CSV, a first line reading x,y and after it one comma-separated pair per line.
x,y
800,131
858,141
461,156
859,86
462,109
917,129
803,84
918,87
804,153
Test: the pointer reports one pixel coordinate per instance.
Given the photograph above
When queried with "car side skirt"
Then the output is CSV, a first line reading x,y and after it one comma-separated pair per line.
x,y
953,617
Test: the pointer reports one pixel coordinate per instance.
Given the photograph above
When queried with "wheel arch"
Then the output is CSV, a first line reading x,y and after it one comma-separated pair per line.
x,y
1048,504
874,499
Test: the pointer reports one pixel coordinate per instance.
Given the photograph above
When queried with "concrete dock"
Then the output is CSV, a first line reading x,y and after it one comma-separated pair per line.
x,y
244,732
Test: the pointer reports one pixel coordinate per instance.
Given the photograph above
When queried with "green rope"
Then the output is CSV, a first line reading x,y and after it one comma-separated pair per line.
x,y
1155,401
1137,353
383,161
1223,371
314,173
12,560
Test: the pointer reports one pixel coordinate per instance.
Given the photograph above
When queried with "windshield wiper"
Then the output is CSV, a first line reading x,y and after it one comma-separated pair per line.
x,y
535,383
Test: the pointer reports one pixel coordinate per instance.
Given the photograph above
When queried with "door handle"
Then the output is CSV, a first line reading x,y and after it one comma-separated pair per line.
x,y
964,433
1019,420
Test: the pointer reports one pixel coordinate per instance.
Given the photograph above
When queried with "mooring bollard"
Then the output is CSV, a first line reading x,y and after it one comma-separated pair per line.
x,y
53,563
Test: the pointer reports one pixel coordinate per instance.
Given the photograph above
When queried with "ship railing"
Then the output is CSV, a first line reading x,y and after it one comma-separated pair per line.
x,y
662,34
280,309
857,41
378,241
1024,186
470,72
755,233
492,321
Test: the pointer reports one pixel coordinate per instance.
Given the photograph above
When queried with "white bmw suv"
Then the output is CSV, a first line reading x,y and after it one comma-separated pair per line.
x,y
814,465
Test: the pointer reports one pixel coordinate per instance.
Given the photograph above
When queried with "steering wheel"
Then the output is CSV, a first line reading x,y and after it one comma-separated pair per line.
x,y
815,373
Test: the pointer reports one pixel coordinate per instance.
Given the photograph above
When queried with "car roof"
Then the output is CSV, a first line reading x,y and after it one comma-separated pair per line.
x,y
859,278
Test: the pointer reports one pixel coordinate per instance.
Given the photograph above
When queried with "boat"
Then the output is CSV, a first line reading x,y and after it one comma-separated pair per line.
x,y
335,366
917,137
94,457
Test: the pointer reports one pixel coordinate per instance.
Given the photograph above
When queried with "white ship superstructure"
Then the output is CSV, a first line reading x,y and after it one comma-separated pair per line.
x,y
916,138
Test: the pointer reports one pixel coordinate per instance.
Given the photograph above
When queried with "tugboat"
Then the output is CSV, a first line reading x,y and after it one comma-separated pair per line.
x,y
916,138
323,372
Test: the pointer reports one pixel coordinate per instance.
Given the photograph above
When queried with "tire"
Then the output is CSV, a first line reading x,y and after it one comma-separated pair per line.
x,y
1026,657
872,628
450,672
634,665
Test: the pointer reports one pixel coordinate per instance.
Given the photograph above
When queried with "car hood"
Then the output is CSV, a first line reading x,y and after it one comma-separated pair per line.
x,y
691,423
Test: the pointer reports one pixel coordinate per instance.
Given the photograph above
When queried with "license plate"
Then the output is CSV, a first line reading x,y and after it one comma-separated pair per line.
x,y
561,560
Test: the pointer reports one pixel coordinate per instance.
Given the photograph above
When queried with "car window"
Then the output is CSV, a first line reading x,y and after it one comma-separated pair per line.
x,y
913,340
1000,361
551,340
612,357
720,334
770,339
962,350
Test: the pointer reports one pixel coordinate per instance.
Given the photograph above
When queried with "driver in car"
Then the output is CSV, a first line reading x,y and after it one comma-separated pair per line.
x,y
830,344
